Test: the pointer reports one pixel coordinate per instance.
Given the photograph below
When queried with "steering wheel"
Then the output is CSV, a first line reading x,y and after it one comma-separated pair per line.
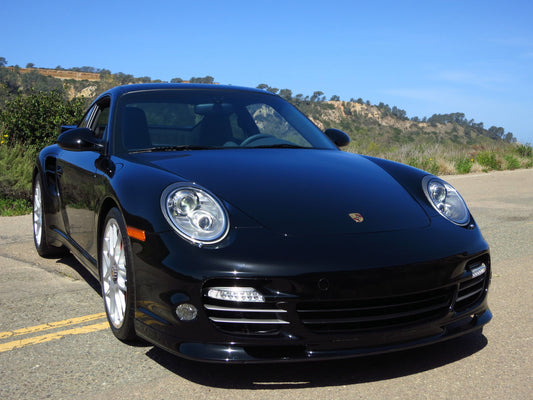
x,y
255,138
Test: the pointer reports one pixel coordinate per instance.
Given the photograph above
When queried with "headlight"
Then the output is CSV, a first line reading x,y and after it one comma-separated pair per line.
x,y
194,213
446,200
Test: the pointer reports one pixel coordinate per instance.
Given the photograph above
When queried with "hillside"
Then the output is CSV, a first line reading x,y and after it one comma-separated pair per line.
x,y
370,123
366,123
442,143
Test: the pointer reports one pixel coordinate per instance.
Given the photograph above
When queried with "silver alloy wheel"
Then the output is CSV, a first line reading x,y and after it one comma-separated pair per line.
x,y
114,279
37,213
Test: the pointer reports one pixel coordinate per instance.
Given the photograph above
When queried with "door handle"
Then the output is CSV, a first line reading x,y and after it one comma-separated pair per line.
x,y
59,170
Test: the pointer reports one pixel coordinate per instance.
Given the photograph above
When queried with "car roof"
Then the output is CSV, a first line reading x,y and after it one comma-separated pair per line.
x,y
120,90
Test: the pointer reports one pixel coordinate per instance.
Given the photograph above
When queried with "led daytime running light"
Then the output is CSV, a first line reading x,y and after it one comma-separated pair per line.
x,y
242,294
479,270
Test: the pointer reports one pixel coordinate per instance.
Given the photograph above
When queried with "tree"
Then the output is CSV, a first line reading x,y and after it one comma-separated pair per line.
x,y
104,74
30,65
286,94
206,79
176,80
3,62
496,132
33,80
35,119
123,79
335,98
509,138
317,96
398,112
385,108
10,80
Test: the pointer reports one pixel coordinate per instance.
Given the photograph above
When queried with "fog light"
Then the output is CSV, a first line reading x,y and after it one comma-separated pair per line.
x,y
186,312
244,294
479,270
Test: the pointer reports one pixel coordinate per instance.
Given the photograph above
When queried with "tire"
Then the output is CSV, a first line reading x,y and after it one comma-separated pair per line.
x,y
116,276
40,237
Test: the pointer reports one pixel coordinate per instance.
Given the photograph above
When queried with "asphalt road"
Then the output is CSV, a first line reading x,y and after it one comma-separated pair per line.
x,y
54,342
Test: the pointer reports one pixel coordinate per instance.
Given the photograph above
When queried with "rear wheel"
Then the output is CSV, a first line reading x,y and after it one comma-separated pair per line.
x,y
116,276
40,237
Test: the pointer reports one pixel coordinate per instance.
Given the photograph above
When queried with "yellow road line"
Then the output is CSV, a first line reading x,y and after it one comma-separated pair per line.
x,y
51,325
52,336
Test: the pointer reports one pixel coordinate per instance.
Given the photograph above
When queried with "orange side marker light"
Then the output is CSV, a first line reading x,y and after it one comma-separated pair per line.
x,y
135,233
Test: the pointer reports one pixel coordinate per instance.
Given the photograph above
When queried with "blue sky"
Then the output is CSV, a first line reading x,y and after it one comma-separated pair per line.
x,y
425,57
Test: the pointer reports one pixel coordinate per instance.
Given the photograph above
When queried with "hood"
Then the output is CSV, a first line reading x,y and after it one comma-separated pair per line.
x,y
300,191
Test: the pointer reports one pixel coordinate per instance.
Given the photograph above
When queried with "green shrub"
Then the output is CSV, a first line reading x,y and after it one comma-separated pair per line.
x,y
511,162
463,165
524,150
10,207
488,160
429,165
34,119
16,165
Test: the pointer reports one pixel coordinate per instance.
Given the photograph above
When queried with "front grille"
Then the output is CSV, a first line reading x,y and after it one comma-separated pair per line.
x,y
243,318
371,314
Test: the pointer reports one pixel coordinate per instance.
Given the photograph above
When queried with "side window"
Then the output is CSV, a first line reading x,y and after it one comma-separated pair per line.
x,y
86,121
97,118
101,120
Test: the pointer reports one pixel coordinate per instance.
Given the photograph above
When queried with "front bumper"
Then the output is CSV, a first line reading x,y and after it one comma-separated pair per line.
x,y
354,306
238,353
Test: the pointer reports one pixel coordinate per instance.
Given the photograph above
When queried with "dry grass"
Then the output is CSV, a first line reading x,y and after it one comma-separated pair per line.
x,y
446,159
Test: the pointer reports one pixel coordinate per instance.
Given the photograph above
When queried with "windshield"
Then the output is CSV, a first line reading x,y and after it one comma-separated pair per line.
x,y
183,119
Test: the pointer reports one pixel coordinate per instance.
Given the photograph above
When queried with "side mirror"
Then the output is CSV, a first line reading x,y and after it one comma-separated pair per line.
x,y
337,136
79,139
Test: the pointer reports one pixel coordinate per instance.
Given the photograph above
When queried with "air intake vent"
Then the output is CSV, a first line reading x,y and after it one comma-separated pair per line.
x,y
373,314
245,318
472,290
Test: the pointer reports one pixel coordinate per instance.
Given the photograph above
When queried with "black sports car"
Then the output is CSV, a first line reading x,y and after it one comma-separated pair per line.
x,y
224,226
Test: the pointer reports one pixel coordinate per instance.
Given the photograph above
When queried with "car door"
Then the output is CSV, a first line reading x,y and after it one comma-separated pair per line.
x,y
78,177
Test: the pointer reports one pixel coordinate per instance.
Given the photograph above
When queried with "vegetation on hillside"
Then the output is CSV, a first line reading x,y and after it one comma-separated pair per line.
x,y
33,106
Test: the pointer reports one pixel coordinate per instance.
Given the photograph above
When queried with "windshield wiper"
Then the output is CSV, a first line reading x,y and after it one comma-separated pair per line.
x,y
173,148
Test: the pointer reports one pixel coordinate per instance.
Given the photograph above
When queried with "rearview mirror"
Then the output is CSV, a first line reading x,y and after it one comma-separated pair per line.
x,y
337,136
219,108
79,139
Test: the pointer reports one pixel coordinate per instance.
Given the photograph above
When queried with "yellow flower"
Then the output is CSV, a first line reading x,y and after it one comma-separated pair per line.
x,y
6,136
2,142
471,160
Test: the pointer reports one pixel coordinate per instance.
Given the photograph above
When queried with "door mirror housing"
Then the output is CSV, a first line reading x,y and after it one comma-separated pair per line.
x,y
79,139
338,137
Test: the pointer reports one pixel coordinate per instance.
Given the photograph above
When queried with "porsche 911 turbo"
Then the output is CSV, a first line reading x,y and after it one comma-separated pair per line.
x,y
224,226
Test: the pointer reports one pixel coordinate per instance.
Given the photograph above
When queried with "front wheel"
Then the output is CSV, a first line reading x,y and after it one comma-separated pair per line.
x,y
116,276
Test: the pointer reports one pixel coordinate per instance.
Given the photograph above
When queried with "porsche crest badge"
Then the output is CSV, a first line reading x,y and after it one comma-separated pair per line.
x,y
356,217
